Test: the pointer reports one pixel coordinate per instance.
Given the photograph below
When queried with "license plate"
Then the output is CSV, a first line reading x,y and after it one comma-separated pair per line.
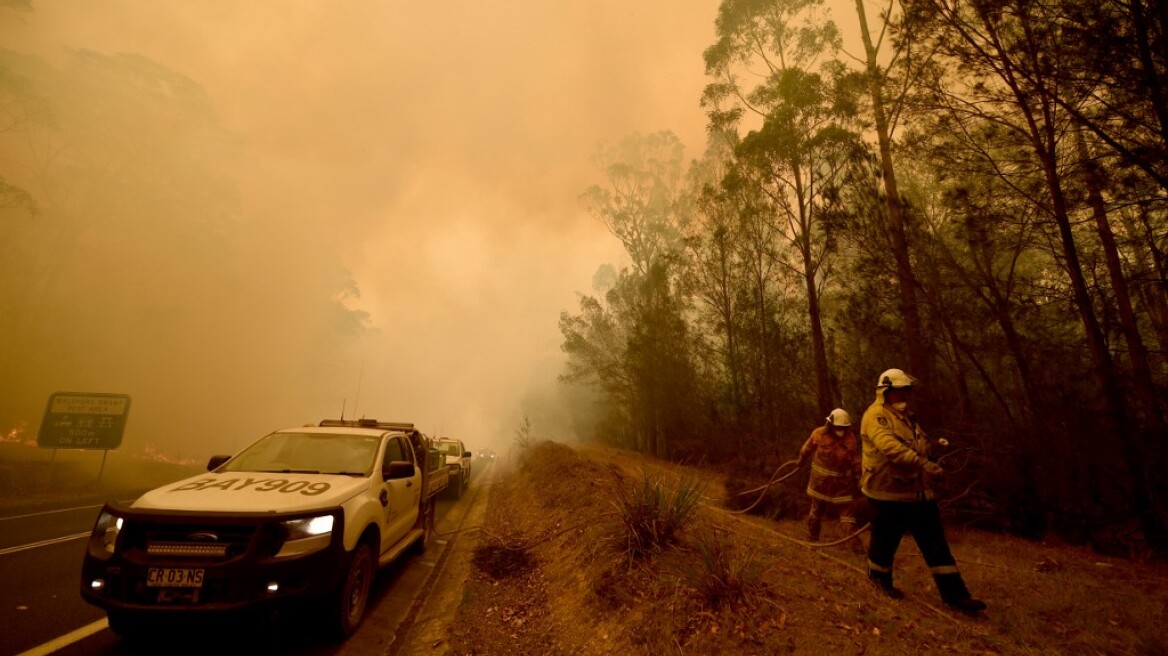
x,y
174,577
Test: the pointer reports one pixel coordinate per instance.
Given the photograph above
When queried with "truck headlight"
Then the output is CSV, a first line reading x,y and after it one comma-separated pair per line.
x,y
306,535
104,538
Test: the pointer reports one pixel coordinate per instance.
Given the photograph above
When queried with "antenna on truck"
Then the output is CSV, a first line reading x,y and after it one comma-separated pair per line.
x,y
359,377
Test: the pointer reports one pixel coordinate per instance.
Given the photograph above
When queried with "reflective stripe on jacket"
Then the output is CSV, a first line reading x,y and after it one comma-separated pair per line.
x,y
835,465
895,450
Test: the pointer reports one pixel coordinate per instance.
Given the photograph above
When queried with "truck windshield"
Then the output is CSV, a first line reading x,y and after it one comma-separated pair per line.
x,y
449,448
309,453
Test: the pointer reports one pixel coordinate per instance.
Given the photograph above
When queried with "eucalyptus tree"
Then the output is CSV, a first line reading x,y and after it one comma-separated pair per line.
x,y
713,276
642,195
983,259
795,159
1116,75
751,240
982,229
1004,60
642,203
1145,247
1118,67
730,273
794,115
1093,178
595,342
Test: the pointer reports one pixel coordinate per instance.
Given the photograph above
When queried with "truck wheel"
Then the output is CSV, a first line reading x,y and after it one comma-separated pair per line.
x,y
459,487
427,527
349,601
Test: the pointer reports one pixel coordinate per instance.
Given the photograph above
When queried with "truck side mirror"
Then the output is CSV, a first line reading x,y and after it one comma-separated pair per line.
x,y
397,469
215,461
466,454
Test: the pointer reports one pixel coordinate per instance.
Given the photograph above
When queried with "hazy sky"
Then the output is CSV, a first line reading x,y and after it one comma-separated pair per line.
x,y
439,147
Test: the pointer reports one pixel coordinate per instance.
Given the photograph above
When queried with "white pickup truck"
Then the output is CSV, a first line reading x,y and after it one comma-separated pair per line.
x,y
303,514
458,461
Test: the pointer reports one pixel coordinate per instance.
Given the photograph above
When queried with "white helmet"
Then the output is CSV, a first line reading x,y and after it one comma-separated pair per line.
x,y
839,417
894,378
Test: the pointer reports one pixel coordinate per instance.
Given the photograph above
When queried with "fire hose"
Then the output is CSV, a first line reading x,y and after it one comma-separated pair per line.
x,y
775,479
762,489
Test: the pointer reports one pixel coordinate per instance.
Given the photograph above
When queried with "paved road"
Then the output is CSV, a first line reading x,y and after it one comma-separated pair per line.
x,y
40,566
42,612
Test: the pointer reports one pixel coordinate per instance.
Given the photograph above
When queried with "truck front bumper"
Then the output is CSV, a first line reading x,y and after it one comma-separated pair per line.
x,y
169,563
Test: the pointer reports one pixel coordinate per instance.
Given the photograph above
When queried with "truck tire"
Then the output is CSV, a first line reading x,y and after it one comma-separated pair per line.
x,y
347,605
459,487
427,521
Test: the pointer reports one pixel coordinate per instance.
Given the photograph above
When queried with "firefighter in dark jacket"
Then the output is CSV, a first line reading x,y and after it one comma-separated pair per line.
x,y
835,472
896,479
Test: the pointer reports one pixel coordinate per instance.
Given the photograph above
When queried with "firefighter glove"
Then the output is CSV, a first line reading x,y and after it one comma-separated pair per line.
x,y
932,469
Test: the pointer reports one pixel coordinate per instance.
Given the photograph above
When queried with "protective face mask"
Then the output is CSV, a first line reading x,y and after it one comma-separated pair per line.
x,y
900,406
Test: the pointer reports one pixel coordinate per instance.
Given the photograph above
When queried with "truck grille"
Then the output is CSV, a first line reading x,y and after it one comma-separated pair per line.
x,y
197,549
220,541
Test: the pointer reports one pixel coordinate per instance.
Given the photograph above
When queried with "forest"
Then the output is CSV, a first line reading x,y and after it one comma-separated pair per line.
x,y
978,196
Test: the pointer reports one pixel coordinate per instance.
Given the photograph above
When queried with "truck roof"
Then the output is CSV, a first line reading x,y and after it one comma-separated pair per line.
x,y
400,426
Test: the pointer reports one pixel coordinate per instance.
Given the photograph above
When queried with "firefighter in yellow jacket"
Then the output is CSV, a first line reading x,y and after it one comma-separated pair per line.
x,y
835,472
897,473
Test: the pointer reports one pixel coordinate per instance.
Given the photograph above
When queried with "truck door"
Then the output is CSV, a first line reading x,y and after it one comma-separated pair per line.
x,y
401,510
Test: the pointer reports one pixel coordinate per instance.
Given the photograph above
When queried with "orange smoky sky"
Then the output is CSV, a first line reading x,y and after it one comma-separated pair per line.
x,y
439,148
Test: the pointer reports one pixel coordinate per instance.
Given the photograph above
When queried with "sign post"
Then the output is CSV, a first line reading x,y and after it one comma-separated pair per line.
x,y
80,420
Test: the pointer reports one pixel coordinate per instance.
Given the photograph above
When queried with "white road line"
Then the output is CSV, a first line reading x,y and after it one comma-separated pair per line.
x,y
49,512
43,543
67,639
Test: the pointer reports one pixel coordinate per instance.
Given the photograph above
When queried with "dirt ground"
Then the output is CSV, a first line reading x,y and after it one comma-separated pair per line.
x,y
552,575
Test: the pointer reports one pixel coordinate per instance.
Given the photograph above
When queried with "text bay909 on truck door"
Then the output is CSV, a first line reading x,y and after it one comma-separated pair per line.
x,y
304,514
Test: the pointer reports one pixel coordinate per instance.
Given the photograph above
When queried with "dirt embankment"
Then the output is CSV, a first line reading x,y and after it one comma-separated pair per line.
x,y
554,575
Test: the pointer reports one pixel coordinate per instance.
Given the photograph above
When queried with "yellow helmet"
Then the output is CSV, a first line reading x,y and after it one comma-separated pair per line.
x,y
894,379
839,417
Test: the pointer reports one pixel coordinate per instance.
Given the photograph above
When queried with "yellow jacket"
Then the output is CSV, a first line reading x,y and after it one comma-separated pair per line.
x,y
894,451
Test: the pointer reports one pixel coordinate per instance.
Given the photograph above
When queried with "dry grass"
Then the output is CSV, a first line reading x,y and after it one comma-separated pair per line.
x,y
732,584
29,475
730,576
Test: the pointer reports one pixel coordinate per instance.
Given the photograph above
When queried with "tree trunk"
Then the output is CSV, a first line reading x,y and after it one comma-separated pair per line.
x,y
1129,443
1145,44
1151,293
1137,353
1000,305
818,347
733,358
919,350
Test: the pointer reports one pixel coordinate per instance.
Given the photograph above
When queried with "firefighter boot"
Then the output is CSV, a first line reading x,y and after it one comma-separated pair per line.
x,y
883,581
956,595
856,544
814,524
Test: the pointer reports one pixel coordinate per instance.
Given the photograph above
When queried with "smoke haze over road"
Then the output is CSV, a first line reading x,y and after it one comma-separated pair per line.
x,y
416,162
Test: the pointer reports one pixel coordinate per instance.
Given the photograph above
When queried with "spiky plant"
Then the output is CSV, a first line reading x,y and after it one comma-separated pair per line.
x,y
653,512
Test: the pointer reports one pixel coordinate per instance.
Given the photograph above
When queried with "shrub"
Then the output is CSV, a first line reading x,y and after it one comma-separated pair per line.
x,y
654,512
727,575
